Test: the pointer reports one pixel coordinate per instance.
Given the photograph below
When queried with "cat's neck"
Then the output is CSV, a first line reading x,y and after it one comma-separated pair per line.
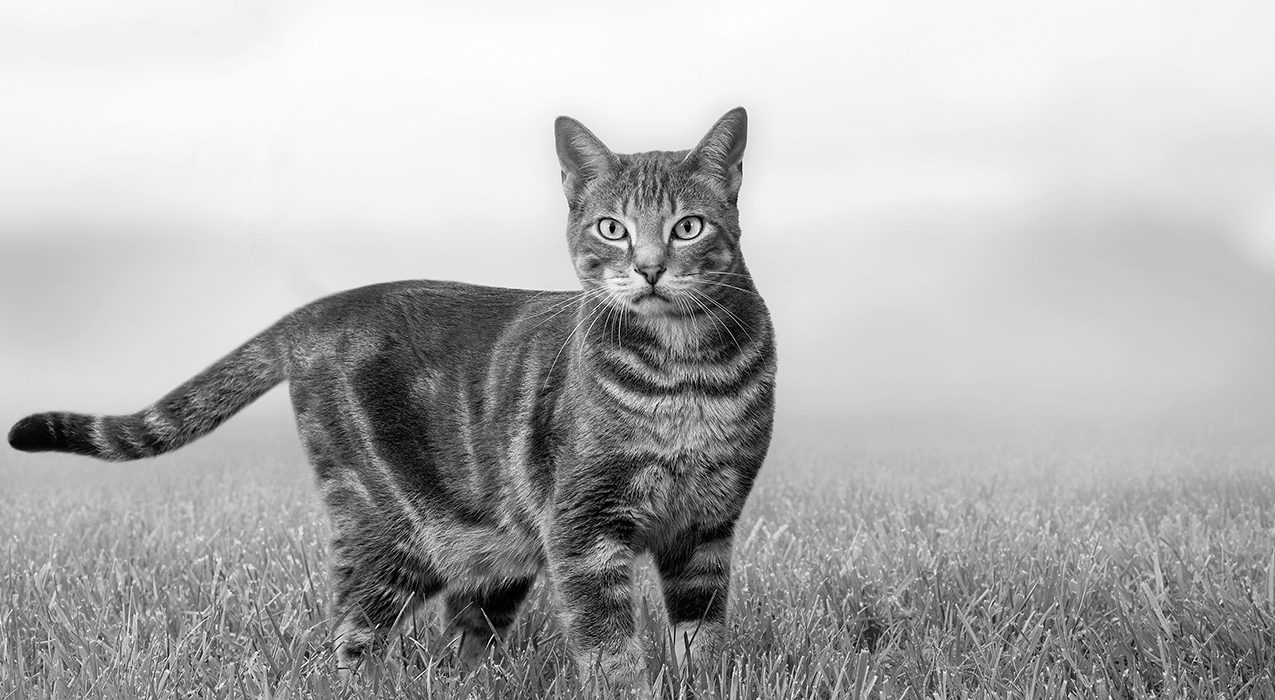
x,y
714,331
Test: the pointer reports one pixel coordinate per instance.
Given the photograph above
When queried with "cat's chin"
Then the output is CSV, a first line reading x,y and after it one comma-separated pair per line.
x,y
654,305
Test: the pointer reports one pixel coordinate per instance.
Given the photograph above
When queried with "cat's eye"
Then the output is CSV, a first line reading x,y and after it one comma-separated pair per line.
x,y
611,229
688,228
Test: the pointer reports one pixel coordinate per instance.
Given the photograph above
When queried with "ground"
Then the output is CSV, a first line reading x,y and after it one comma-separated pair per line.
x,y
877,559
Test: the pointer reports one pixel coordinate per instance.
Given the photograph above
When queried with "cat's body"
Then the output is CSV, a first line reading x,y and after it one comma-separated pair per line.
x,y
467,438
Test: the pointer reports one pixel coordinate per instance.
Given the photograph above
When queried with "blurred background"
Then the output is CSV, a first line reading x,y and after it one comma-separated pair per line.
x,y
998,211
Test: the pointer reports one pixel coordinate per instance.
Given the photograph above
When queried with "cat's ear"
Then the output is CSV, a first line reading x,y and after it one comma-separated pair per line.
x,y
721,152
581,155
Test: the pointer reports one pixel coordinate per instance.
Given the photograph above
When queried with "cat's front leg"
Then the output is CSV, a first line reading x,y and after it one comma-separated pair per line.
x,y
593,583
695,575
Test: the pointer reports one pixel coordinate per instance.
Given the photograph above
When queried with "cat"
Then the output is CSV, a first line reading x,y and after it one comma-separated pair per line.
x,y
466,439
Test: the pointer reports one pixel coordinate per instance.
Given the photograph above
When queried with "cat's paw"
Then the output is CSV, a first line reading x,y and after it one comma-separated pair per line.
x,y
620,674
473,648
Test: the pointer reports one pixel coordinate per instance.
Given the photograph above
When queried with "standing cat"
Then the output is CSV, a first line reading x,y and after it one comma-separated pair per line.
x,y
467,438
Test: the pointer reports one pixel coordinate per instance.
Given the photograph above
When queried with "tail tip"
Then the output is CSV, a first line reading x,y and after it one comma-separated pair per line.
x,y
35,433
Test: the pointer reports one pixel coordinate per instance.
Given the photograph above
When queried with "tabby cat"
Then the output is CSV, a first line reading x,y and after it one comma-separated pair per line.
x,y
467,438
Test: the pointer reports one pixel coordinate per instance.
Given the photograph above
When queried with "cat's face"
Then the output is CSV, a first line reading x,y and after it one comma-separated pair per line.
x,y
655,233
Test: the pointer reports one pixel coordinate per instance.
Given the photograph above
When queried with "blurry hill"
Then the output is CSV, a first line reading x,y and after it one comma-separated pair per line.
x,y
101,318
1078,308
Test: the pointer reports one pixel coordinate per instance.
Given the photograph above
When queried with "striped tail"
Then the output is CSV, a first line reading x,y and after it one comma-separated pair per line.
x,y
188,412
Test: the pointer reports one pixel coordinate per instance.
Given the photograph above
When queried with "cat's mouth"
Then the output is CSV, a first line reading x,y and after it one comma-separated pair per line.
x,y
650,300
644,299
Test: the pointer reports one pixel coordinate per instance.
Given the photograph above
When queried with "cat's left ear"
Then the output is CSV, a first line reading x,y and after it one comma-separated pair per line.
x,y
721,152
581,155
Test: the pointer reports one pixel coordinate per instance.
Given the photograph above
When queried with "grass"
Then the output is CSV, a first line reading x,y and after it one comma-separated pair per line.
x,y
927,564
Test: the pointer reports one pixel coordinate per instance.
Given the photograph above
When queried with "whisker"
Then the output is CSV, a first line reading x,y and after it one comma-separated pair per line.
x,y
564,306
723,272
685,307
554,309
576,296
730,286
619,331
742,326
618,325
570,335
597,314
720,322
572,296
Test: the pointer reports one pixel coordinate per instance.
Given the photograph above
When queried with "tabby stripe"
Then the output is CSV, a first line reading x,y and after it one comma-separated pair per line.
x,y
652,347
200,404
117,438
363,428
345,481
673,377
712,556
672,385
696,580
724,406
100,439
669,438
695,601
677,449
518,456
660,408
466,426
604,588
158,424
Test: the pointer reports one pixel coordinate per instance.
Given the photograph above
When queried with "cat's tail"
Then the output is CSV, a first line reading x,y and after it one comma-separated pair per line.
x,y
188,412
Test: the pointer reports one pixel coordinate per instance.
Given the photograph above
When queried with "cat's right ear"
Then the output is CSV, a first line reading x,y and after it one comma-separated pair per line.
x,y
581,155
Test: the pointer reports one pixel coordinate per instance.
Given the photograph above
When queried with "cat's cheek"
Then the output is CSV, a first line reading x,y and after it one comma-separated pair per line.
x,y
588,266
721,257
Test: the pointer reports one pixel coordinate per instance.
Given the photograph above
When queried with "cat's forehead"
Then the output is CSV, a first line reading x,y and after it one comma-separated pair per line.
x,y
653,180
650,169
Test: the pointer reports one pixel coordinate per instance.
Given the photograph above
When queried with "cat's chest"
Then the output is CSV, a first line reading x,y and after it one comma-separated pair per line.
x,y
666,496
685,449
683,426
684,460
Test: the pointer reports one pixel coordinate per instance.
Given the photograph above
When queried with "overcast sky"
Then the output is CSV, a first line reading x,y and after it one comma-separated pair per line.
x,y
174,176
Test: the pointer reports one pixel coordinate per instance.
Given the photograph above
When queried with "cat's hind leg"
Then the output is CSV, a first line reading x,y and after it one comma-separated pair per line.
x,y
483,611
381,571
377,589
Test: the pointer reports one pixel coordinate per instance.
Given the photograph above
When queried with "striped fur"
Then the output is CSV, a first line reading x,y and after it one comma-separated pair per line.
x,y
466,439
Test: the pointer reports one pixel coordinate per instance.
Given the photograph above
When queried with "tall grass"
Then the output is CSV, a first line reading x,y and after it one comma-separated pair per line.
x,y
1045,568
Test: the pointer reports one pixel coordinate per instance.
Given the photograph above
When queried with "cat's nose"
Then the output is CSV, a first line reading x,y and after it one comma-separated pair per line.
x,y
651,273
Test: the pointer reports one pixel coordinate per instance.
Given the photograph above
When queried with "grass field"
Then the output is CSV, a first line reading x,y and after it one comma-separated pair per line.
x,y
874,561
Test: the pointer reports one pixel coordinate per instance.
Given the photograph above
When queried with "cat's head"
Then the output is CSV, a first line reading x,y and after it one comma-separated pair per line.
x,y
657,232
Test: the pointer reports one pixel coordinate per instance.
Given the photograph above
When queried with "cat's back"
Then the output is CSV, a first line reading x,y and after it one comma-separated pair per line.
x,y
423,313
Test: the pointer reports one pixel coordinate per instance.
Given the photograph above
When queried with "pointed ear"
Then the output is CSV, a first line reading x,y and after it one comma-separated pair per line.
x,y
581,155
721,152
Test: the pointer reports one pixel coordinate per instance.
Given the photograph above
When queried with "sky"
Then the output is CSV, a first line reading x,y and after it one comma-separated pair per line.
x,y
1061,210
